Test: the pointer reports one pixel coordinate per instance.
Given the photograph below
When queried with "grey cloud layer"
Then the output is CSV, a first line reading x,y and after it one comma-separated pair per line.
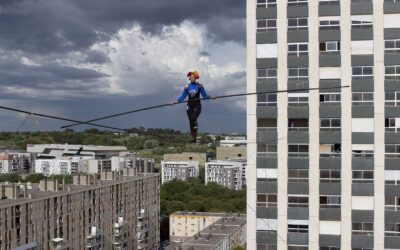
x,y
57,26
49,32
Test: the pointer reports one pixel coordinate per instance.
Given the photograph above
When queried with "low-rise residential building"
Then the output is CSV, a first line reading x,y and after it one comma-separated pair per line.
x,y
224,234
89,214
49,167
14,162
180,170
226,173
140,165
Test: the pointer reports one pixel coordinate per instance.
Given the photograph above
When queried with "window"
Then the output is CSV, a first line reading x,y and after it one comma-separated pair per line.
x,y
298,125
298,49
358,24
363,228
267,200
297,175
365,153
392,203
266,3
267,247
392,229
329,248
392,150
330,150
330,124
297,99
296,247
266,125
329,46
298,226
297,2
329,176
361,21
363,176
298,150
329,201
266,73
328,1
298,73
363,98
362,71
392,125
266,25
298,23
332,98
392,98
329,24
267,150
392,45
266,100
392,72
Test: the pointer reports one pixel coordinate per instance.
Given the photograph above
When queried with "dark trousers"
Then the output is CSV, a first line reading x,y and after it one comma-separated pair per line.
x,y
193,112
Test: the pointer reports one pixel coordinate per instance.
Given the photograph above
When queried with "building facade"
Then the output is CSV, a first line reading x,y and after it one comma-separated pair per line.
x,y
15,162
323,164
225,173
113,212
180,170
53,167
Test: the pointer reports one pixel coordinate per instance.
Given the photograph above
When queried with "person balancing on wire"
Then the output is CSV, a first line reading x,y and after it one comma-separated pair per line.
x,y
193,109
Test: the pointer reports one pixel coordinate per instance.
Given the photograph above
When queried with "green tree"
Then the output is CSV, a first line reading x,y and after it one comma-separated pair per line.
x,y
34,178
151,143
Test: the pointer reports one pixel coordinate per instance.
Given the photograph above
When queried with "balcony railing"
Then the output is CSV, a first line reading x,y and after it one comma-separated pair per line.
x,y
298,129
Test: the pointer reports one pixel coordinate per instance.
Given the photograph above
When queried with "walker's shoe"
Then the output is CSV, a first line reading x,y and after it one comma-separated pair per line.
x,y
194,140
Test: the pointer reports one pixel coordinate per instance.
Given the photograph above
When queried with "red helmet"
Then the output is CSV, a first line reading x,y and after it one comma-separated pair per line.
x,y
194,73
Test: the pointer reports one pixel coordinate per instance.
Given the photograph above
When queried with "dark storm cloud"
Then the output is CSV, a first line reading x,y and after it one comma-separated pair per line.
x,y
47,76
57,26
98,57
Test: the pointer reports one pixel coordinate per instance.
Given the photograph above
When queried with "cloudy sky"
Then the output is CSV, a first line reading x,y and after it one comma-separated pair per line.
x,y
82,59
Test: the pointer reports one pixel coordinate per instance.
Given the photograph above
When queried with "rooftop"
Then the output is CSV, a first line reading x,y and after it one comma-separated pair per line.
x,y
35,194
212,235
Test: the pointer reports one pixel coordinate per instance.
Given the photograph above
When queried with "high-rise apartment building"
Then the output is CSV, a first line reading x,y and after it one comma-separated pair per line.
x,y
113,212
323,165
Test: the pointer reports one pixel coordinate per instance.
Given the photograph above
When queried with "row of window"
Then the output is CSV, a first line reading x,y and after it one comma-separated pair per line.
x,y
392,203
301,23
272,3
328,176
302,150
301,99
325,201
328,124
391,72
358,99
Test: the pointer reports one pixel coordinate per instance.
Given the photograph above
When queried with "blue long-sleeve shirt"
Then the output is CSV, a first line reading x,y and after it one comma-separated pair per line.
x,y
193,89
